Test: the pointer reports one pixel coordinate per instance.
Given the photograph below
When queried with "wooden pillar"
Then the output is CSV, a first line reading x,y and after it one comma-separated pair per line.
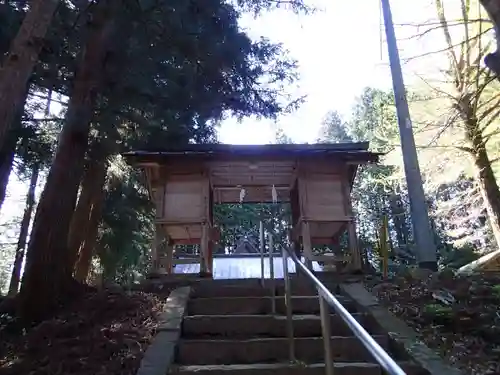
x,y
204,248
169,258
306,243
157,236
212,238
353,244
261,249
210,256
305,229
351,224
206,223
295,208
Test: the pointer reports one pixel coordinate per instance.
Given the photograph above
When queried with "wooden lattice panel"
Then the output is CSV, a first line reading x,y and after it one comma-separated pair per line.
x,y
321,198
186,200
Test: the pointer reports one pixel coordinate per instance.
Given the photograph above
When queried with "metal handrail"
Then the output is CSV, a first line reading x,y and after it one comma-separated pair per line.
x,y
326,297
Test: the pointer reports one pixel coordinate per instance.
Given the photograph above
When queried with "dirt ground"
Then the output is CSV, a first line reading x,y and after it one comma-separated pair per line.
x,y
459,317
106,332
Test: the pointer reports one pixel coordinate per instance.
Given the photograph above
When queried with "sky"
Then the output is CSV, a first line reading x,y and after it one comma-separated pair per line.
x,y
339,53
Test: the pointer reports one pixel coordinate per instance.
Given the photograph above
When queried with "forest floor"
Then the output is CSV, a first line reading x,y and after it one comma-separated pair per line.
x,y
105,332
459,317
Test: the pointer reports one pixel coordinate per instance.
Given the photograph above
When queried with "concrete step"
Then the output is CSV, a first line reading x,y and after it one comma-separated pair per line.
x,y
247,326
258,305
341,368
250,288
268,350
226,288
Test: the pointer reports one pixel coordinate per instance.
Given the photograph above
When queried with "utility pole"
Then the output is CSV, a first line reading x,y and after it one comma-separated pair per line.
x,y
426,248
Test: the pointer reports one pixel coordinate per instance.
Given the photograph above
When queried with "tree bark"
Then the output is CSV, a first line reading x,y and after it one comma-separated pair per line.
x,y
485,177
82,266
23,233
48,280
84,217
489,190
19,63
92,184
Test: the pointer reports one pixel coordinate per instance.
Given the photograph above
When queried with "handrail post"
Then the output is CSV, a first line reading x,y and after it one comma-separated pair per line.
x,y
271,274
326,330
288,306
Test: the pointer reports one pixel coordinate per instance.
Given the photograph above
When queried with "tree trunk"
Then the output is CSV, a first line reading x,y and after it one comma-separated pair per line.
x,y
19,63
485,177
82,267
23,233
48,278
88,218
397,212
489,190
92,185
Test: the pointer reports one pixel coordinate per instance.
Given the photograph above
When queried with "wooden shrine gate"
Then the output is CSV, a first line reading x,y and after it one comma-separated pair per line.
x,y
316,179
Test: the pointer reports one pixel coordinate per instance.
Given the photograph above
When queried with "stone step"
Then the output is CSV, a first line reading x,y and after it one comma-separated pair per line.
x,y
203,287
258,305
341,368
247,326
250,289
268,350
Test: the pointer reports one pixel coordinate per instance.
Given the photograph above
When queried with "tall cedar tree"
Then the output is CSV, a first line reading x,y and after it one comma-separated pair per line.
x,y
23,232
228,81
18,65
43,291
87,212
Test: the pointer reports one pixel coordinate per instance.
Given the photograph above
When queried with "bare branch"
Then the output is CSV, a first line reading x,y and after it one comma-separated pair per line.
x,y
460,148
465,13
408,59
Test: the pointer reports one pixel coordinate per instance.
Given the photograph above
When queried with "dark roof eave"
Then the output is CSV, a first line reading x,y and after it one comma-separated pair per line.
x,y
359,158
143,157
253,149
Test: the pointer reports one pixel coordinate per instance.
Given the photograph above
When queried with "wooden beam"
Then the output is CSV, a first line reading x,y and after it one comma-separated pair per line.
x,y
147,164
204,264
256,187
147,173
252,195
157,236
187,241
306,243
351,226
331,259
293,177
169,259
185,261
177,223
